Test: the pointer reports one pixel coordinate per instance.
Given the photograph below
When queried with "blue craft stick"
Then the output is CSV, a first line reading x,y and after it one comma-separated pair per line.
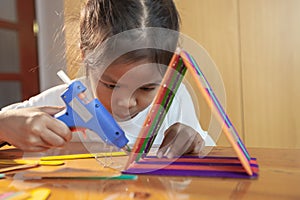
x,y
219,107
2,175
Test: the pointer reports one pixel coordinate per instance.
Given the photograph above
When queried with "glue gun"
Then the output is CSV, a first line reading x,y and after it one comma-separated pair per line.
x,y
81,112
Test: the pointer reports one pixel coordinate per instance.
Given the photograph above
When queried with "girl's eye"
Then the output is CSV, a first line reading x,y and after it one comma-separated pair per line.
x,y
150,87
108,85
147,89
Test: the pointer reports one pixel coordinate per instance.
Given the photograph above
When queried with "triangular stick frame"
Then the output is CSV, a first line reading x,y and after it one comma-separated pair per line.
x,y
181,62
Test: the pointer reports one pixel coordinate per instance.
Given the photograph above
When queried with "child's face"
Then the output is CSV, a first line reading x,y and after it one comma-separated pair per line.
x,y
127,89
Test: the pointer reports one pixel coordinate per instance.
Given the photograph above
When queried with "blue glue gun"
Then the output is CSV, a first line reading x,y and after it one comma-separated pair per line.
x,y
92,115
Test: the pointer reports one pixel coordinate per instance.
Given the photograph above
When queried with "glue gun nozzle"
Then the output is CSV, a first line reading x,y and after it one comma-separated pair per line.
x,y
126,148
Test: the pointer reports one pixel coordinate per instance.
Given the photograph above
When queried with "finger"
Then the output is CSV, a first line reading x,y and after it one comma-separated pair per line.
x,y
170,136
59,128
180,145
36,149
37,146
48,137
51,110
198,145
51,132
36,140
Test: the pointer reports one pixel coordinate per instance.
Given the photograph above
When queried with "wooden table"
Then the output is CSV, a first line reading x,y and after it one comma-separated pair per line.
x,y
279,178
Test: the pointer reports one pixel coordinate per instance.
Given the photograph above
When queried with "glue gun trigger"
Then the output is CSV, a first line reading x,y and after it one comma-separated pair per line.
x,y
79,129
126,148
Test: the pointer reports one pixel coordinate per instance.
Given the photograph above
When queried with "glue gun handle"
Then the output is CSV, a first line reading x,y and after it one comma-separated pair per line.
x,y
90,115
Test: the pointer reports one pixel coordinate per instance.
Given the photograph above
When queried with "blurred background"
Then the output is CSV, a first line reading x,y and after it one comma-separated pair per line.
x,y
254,43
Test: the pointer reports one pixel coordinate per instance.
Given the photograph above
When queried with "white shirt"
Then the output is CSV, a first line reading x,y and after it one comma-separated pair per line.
x,y
181,110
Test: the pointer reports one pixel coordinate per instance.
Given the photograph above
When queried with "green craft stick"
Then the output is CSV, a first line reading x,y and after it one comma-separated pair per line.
x,y
121,177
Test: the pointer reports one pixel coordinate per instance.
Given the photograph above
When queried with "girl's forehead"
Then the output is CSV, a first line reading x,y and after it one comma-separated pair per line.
x,y
137,68
137,71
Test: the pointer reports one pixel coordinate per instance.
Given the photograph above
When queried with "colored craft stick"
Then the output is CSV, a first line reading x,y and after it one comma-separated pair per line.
x,y
162,103
15,195
196,173
5,195
168,93
7,169
179,63
215,100
23,162
35,194
82,156
193,166
119,177
39,194
196,160
217,109
181,166
2,175
160,107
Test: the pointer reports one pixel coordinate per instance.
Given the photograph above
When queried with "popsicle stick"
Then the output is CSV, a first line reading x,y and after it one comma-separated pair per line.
x,y
7,169
39,194
218,111
157,113
82,156
24,161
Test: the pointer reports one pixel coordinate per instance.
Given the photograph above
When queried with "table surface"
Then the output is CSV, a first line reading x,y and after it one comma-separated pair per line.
x,y
279,178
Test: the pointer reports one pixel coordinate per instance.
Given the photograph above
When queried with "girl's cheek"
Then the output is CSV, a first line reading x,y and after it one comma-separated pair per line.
x,y
146,100
104,97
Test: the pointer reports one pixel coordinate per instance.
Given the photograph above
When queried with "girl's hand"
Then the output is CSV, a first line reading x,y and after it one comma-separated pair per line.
x,y
33,129
180,139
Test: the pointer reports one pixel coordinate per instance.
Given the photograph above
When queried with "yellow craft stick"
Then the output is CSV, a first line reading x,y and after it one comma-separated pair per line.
x,y
39,194
81,156
24,162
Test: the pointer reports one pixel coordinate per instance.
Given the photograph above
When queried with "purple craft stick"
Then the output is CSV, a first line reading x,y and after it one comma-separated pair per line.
x,y
192,163
197,173
145,167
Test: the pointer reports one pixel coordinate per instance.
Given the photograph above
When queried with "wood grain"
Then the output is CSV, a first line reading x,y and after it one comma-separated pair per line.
x,y
270,52
214,25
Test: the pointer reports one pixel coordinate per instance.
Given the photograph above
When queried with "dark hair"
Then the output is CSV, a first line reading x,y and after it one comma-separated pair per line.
x,y
103,19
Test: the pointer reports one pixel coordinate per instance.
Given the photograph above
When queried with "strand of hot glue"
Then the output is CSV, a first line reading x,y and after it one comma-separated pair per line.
x,y
162,102
217,109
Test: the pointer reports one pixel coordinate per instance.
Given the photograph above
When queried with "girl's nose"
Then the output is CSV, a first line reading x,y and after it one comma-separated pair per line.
x,y
127,101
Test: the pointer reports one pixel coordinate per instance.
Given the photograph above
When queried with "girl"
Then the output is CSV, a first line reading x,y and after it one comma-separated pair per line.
x,y
126,46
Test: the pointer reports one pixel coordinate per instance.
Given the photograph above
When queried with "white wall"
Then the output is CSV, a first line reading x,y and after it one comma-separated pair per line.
x,y
51,41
